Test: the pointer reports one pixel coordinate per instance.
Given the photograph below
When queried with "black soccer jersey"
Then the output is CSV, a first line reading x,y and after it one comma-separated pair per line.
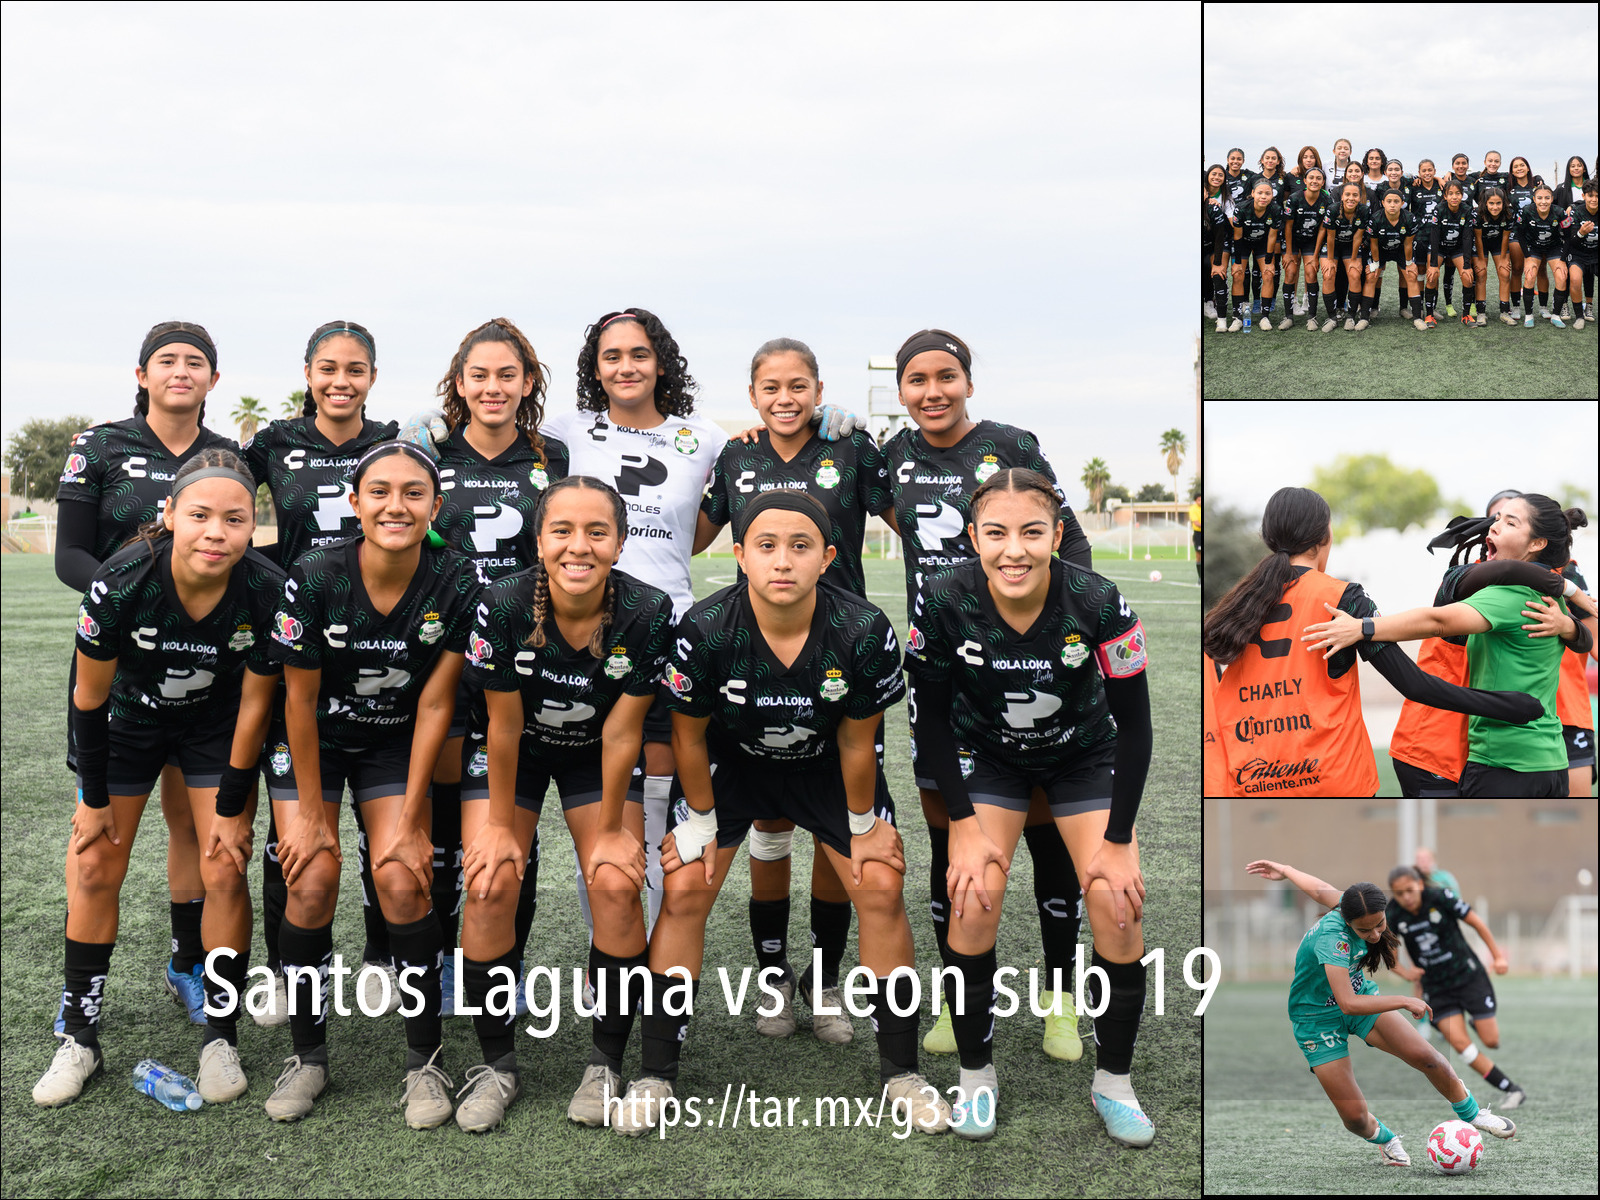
x,y
1302,219
1033,699
1423,201
1493,228
850,477
1279,183
722,668
171,669
567,692
1345,228
126,471
1391,238
1585,245
1520,196
1375,190
373,666
309,478
1450,233
1237,187
1252,227
488,503
1433,937
1482,181
1542,237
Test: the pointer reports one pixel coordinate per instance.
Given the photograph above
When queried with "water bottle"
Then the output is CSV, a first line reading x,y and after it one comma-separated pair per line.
x,y
1247,320
166,1085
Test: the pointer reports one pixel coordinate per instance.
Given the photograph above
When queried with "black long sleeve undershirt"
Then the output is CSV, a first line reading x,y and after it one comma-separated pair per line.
x,y
1514,572
77,523
1412,682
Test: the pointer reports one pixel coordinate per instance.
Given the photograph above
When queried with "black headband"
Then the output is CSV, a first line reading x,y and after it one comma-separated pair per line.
x,y
929,340
214,472
384,449
157,340
786,498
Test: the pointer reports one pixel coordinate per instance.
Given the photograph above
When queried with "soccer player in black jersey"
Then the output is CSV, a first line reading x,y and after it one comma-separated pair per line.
x,y
1344,253
1454,983
851,481
117,477
371,634
1458,173
494,464
305,462
1256,229
1271,173
777,687
933,470
166,630
1393,233
1030,672
570,655
1569,198
1449,228
1215,207
1304,239
1583,249
1541,232
1493,222
1519,188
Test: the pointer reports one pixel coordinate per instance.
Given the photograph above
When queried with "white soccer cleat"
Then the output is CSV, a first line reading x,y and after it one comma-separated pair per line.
x,y
221,1076
1112,1097
372,988
1500,1127
926,1109
277,1010
1328,324
297,1089
427,1095
641,1106
588,1107
1363,323
1235,326
782,1022
1266,324
1508,318
1349,323
1394,1154
1210,310
485,1098
1419,323
69,1070
1222,325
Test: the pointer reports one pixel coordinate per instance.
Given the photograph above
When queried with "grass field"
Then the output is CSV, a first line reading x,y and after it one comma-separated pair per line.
x,y
114,1141
1270,1128
1393,360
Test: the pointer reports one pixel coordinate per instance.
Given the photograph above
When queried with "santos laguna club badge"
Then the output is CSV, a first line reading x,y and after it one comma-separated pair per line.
x,y
685,442
619,664
539,477
1074,652
242,639
987,467
432,629
827,474
280,759
834,687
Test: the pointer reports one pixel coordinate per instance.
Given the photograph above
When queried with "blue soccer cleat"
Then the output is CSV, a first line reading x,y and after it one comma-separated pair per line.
x,y
188,990
447,987
1113,1098
973,1119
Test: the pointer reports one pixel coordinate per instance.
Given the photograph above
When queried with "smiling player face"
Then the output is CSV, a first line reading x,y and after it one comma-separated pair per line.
x,y
626,365
935,390
396,502
579,541
1374,163
339,376
1235,161
493,384
211,523
784,555
1015,536
785,394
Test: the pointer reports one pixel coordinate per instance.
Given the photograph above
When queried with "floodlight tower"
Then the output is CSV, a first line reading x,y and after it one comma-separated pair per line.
x,y
884,414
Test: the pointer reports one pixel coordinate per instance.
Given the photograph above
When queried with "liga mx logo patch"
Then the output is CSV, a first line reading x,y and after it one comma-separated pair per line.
x,y
76,465
287,630
478,650
1123,656
87,625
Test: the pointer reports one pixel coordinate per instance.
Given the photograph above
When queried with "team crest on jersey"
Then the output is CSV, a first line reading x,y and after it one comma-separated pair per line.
x,y
287,630
619,664
432,629
280,759
677,681
987,467
834,687
87,625
1074,652
242,639
964,757
76,465
539,477
685,442
1433,916
827,474
479,766
478,650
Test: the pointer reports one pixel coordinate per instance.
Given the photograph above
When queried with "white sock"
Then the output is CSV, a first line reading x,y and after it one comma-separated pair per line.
x,y
656,790
984,1077
1115,1087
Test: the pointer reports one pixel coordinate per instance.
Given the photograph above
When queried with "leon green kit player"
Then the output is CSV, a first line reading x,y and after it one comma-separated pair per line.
x,y
1331,1000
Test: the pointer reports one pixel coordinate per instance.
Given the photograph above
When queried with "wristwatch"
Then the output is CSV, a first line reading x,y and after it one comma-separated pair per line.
x,y
1367,629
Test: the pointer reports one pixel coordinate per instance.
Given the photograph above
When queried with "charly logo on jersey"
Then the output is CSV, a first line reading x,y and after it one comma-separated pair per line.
x,y
243,638
684,441
479,766
286,629
986,468
77,464
618,663
279,761
677,682
478,651
432,629
1074,653
827,474
87,625
834,687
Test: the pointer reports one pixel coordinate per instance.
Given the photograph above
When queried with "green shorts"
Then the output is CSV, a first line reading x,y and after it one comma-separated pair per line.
x,y
1321,1037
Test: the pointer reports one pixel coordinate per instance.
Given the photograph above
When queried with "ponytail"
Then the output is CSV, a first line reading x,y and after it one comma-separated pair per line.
x,y
1362,900
1296,520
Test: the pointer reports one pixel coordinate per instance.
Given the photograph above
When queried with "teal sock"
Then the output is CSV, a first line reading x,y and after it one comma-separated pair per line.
x,y
1466,1109
1383,1135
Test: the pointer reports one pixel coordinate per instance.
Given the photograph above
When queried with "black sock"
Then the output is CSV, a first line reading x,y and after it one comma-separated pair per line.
x,y
1527,303
446,890
664,1034
232,969
769,930
497,1035
1055,891
1555,309
187,950
939,889
1238,305
1313,287
1505,305
1497,1080
830,930
1544,298
1416,306
897,1035
88,964
614,1022
377,948
1431,299
974,1028
1449,274
527,900
1117,1027
420,944
308,990
274,895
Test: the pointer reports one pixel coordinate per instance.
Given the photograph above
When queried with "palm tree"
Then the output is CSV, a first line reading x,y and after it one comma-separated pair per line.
x,y
249,413
1174,444
1095,477
293,406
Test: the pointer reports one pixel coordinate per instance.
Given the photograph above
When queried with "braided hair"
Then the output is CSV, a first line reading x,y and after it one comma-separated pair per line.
x,y
154,341
530,409
1362,900
541,578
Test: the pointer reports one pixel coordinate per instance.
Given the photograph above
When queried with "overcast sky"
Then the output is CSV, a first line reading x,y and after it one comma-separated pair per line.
x,y
1414,80
841,174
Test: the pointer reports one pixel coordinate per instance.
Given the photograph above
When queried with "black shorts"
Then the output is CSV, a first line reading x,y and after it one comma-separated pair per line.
x,y
1083,785
1580,746
1416,782
658,721
575,773
371,772
1197,541
139,752
747,790
1397,255
1587,263
1548,254
466,699
1473,995
1495,244
1480,780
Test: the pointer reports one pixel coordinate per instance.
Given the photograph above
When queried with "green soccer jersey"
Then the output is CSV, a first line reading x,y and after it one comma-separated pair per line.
x,y
1330,942
1507,659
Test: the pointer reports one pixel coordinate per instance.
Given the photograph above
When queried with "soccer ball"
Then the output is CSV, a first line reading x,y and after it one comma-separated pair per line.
x,y
1455,1147
1155,576
1147,556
